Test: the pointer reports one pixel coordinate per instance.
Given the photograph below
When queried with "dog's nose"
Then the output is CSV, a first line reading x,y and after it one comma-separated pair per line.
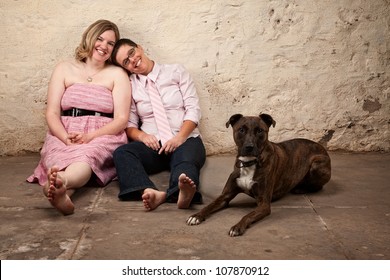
x,y
249,148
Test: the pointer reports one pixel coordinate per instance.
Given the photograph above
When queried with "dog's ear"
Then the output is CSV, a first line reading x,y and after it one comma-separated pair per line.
x,y
233,119
268,120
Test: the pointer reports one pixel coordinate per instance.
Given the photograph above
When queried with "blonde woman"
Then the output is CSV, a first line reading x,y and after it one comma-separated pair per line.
x,y
87,111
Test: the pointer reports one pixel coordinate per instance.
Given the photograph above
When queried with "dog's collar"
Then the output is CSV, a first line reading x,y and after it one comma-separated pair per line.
x,y
241,164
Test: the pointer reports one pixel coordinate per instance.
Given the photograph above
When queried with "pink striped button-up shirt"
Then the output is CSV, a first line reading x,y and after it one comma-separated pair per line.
x,y
178,95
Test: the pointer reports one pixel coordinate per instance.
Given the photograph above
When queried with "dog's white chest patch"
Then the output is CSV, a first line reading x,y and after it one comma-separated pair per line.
x,y
245,180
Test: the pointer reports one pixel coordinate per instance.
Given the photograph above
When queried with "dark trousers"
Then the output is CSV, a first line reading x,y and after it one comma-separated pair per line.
x,y
135,161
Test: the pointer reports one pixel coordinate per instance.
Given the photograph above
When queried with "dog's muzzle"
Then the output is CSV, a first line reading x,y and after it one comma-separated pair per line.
x,y
249,151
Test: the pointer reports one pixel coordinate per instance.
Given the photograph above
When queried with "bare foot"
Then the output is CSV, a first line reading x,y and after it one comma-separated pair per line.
x,y
187,190
50,177
56,193
45,189
153,198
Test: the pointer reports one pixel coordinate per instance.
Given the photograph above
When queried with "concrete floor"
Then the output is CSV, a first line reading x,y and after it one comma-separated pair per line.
x,y
349,219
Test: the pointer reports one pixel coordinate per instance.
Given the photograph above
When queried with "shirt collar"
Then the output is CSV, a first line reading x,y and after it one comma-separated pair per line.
x,y
152,75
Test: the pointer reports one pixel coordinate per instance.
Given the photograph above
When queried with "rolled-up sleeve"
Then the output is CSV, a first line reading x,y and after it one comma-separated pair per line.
x,y
190,97
133,116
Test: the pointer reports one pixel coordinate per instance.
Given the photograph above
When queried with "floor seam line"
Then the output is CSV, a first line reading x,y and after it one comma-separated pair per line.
x,y
85,227
329,231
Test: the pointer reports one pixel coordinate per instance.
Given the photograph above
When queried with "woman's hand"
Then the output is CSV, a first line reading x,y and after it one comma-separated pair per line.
x,y
75,138
172,144
150,141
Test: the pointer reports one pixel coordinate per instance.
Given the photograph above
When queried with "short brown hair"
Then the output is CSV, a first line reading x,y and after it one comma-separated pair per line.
x,y
118,44
91,35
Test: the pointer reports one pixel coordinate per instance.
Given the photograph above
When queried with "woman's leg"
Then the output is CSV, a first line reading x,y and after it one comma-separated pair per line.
x,y
186,163
134,162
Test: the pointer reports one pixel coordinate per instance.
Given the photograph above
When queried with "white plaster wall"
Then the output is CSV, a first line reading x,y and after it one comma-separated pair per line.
x,y
320,68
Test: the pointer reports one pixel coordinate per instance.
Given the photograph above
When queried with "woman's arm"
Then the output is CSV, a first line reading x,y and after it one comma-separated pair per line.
x,y
121,94
191,108
53,111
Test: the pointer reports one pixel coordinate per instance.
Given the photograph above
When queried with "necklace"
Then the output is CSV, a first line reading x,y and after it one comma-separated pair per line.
x,y
90,77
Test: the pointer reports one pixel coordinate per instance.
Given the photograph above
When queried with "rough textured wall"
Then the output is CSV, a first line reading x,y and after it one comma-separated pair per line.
x,y
320,68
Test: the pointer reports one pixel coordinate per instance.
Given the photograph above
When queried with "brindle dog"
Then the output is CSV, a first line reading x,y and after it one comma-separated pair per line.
x,y
267,171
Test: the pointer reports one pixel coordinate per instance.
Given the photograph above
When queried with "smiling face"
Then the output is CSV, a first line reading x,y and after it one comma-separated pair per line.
x,y
134,60
97,41
104,45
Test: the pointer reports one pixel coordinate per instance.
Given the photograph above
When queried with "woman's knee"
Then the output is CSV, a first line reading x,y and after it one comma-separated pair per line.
x,y
119,151
129,150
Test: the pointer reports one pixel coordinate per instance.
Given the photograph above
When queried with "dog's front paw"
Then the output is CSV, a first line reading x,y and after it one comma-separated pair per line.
x,y
236,231
194,220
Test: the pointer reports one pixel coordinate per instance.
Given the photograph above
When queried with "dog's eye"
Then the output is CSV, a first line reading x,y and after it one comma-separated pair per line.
x,y
241,130
259,131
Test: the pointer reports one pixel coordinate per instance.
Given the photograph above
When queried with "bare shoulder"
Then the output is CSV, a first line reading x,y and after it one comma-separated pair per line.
x,y
68,65
118,73
117,70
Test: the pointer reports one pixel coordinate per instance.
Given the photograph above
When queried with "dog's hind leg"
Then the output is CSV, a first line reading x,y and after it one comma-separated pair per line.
x,y
317,176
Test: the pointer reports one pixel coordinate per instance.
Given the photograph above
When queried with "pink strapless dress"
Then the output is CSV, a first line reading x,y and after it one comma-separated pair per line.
x,y
98,152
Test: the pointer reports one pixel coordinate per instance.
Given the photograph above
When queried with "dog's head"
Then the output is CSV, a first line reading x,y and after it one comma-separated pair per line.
x,y
250,133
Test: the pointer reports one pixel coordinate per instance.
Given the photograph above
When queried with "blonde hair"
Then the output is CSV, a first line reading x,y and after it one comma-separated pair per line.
x,y
90,36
